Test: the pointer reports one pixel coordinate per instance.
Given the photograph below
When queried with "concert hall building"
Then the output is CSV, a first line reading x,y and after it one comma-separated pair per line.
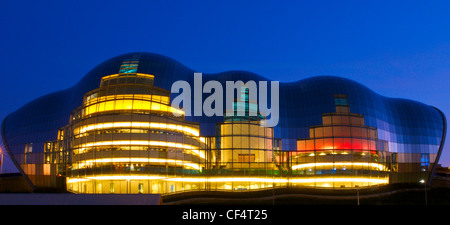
x,y
115,132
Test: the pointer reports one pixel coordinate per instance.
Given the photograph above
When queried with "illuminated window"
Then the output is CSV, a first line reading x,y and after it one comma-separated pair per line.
x,y
246,158
277,144
129,104
28,152
340,101
301,145
338,131
129,66
326,120
328,131
319,144
424,161
394,161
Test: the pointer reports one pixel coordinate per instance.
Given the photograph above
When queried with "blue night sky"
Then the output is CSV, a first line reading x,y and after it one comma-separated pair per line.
x,y
396,48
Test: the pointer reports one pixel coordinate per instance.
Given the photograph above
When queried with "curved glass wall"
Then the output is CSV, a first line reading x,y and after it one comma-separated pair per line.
x,y
121,126
342,152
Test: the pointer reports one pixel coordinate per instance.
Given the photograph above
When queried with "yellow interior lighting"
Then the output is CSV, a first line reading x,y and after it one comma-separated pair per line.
x,y
76,180
140,125
143,75
340,179
372,181
229,179
131,177
154,98
114,103
194,149
110,76
282,180
90,162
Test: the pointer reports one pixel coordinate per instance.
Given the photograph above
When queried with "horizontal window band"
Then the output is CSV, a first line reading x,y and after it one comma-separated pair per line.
x,y
376,166
91,162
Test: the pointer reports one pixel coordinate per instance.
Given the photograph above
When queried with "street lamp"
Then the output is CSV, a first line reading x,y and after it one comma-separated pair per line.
x,y
1,161
357,191
425,185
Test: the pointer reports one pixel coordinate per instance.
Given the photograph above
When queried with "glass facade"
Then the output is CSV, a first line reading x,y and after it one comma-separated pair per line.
x,y
125,139
115,132
342,152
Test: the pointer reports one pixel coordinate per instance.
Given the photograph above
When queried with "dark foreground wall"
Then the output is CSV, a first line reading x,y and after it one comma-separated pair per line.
x,y
79,199
14,183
